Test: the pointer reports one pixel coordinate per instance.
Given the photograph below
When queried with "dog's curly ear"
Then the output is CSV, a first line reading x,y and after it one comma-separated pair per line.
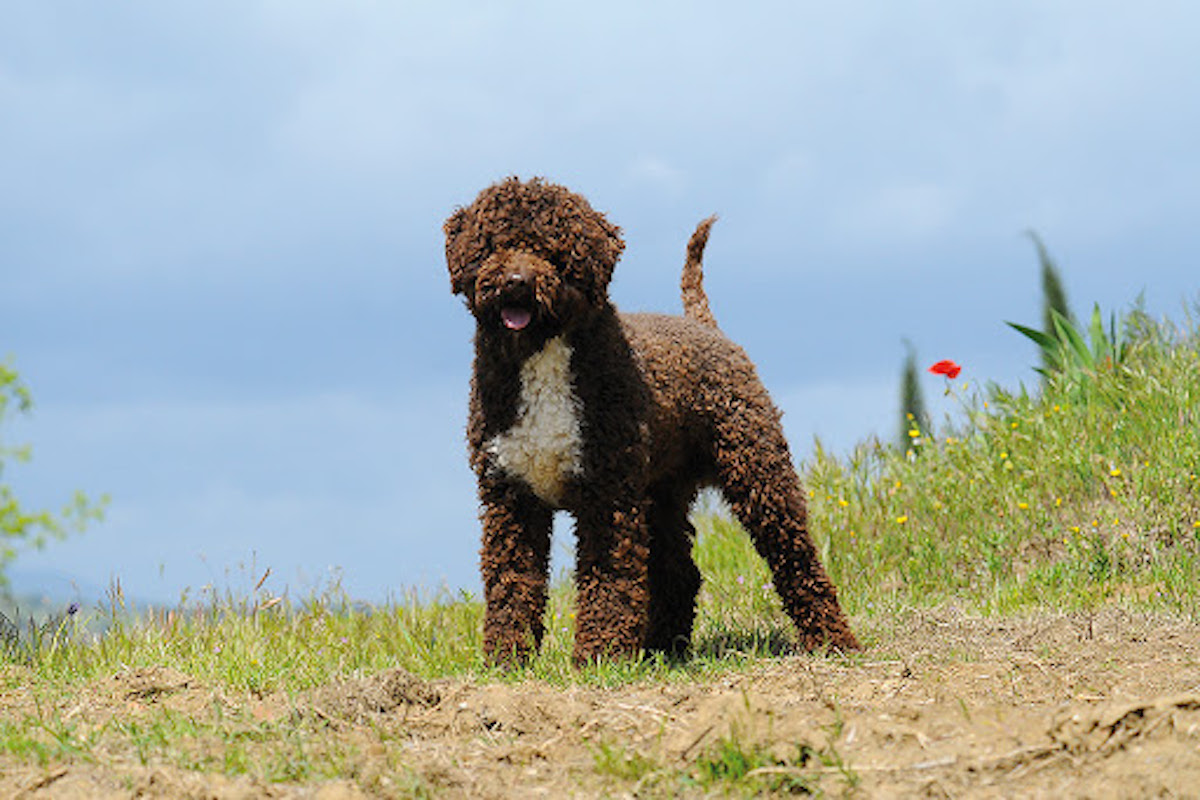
x,y
606,249
461,276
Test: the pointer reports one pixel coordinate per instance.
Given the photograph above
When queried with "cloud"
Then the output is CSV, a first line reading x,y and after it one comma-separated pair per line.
x,y
908,212
655,174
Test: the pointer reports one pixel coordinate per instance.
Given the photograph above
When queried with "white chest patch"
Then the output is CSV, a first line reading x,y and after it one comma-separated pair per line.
x,y
544,447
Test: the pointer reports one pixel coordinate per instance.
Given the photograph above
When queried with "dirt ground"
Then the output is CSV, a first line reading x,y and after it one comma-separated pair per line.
x,y
942,705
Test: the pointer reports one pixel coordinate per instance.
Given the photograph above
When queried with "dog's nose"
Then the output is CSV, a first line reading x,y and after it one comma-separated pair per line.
x,y
516,279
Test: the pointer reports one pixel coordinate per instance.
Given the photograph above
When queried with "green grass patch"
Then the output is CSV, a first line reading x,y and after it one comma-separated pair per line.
x,y
1083,493
735,765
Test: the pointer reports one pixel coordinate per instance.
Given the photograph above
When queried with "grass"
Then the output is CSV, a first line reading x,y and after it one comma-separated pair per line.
x,y
1081,494
733,764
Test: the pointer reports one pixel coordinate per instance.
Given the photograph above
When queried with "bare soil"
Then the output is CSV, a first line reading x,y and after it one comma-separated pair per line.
x,y
940,705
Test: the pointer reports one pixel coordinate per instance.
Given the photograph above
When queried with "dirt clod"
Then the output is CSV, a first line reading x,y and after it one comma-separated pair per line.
x,y
355,699
148,684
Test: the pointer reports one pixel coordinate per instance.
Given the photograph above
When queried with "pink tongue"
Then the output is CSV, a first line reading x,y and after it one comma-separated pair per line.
x,y
515,318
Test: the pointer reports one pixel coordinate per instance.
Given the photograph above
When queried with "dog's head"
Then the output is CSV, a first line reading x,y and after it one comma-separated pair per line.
x,y
531,258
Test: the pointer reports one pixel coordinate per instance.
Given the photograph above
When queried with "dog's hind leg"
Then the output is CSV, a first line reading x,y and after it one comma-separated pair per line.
x,y
761,486
515,561
674,578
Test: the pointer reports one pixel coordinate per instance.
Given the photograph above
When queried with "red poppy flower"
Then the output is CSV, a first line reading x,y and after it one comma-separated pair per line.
x,y
947,368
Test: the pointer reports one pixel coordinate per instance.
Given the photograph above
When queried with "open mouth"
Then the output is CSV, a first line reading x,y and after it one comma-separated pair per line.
x,y
515,318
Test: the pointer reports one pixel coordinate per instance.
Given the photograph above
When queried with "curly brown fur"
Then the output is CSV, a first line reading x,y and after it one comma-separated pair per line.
x,y
619,419
691,282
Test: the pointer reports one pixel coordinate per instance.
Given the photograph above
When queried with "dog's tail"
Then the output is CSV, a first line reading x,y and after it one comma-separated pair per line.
x,y
695,301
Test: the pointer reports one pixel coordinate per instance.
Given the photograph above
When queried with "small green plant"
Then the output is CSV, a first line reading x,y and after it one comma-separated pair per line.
x,y
732,762
27,643
914,419
622,763
730,759
19,525
1076,354
1054,296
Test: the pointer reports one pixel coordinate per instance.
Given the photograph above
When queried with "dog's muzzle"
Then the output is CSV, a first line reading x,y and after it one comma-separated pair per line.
x,y
515,314
516,290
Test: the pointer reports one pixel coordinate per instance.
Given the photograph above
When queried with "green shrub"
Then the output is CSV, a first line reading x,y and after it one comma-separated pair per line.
x,y
20,526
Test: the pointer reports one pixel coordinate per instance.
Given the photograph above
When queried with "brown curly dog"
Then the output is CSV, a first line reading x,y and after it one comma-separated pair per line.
x,y
619,419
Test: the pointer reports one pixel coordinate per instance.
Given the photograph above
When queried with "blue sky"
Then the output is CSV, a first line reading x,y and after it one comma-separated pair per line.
x,y
220,248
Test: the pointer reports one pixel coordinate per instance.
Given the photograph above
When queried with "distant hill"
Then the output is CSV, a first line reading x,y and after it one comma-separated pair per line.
x,y
38,591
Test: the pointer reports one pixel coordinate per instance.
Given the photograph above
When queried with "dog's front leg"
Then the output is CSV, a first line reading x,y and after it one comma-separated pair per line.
x,y
613,555
515,561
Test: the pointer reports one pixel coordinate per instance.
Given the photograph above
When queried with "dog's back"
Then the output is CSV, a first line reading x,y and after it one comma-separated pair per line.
x,y
693,372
